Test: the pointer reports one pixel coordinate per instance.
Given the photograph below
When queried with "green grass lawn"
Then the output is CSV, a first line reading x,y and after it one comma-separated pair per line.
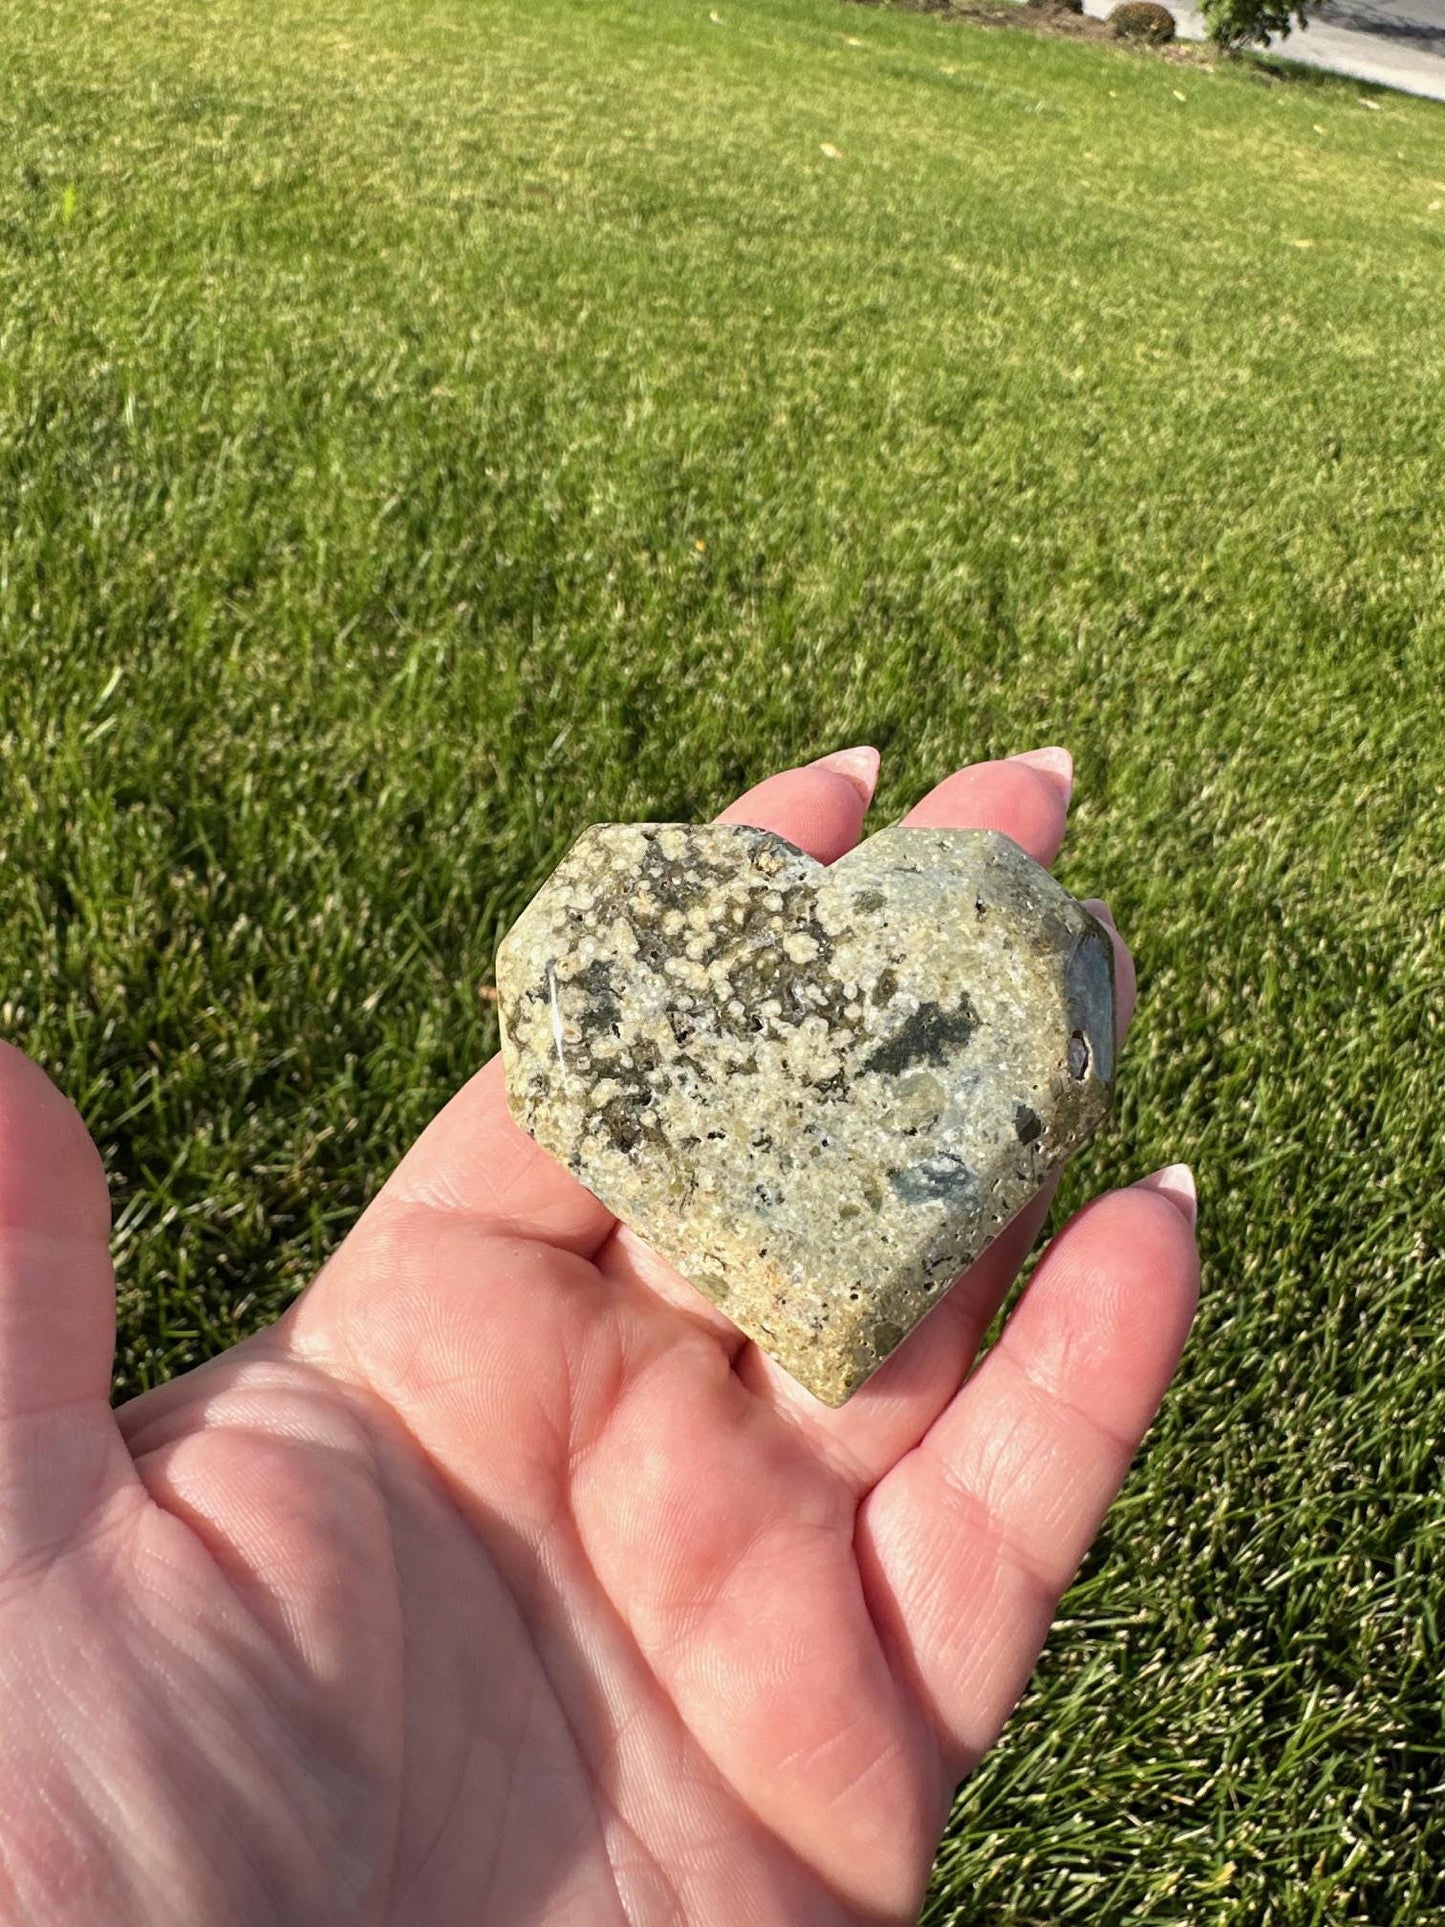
x,y
429,426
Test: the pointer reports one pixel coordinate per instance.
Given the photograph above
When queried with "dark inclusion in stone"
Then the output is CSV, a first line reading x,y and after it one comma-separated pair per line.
x,y
926,1037
940,1177
818,1092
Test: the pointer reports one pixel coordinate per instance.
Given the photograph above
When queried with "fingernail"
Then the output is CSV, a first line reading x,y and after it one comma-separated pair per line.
x,y
1055,763
856,766
1097,908
1175,1182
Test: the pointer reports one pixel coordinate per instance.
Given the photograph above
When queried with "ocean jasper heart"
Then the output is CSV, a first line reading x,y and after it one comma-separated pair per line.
x,y
818,1091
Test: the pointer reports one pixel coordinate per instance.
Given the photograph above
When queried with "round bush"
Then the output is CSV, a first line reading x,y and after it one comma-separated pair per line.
x,y
1142,20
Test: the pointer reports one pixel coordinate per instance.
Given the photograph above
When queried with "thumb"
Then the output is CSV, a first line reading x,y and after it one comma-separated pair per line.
x,y
58,1442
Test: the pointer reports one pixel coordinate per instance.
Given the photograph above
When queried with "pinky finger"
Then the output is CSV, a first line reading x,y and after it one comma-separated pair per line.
x,y
968,1544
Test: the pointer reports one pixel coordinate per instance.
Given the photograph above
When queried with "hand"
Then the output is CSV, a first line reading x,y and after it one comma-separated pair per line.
x,y
502,1581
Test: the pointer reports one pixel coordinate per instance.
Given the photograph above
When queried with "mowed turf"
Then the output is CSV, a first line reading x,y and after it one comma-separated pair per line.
x,y
428,428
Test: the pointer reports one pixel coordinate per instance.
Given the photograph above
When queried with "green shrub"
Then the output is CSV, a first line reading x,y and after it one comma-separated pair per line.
x,y
1142,20
1243,23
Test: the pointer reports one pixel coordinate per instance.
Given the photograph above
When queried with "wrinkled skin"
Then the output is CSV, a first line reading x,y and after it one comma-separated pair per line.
x,y
501,1581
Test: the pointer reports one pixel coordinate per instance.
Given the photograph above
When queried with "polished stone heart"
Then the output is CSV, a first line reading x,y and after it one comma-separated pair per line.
x,y
819,1092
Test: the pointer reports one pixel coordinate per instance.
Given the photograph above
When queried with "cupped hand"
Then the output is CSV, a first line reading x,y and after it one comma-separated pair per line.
x,y
502,1580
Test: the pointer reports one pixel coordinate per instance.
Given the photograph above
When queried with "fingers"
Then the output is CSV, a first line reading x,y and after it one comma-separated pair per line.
x,y
57,1300
1025,797
58,1444
473,1159
968,1544
820,807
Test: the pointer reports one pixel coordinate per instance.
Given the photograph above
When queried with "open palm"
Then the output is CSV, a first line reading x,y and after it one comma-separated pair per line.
x,y
502,1580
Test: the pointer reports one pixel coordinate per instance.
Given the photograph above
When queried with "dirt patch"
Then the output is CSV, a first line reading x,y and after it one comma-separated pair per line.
x,y
1046,17
1039,16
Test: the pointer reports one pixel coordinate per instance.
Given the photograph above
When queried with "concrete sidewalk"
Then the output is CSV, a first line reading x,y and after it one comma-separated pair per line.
x,y
1395,43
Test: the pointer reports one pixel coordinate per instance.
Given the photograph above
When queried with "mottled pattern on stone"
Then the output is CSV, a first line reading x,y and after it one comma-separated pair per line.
x,y
819,1092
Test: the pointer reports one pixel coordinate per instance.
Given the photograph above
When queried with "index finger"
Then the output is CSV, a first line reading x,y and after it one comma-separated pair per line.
x,y
1025,796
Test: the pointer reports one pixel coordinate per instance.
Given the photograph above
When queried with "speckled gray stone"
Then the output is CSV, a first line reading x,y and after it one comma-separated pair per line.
x,y
819,1092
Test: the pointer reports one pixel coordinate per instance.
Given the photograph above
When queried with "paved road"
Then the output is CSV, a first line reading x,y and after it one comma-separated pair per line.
x,y
1396,43
1405,23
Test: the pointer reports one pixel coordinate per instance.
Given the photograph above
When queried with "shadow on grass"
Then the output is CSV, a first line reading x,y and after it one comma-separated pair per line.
x,y
1275,67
